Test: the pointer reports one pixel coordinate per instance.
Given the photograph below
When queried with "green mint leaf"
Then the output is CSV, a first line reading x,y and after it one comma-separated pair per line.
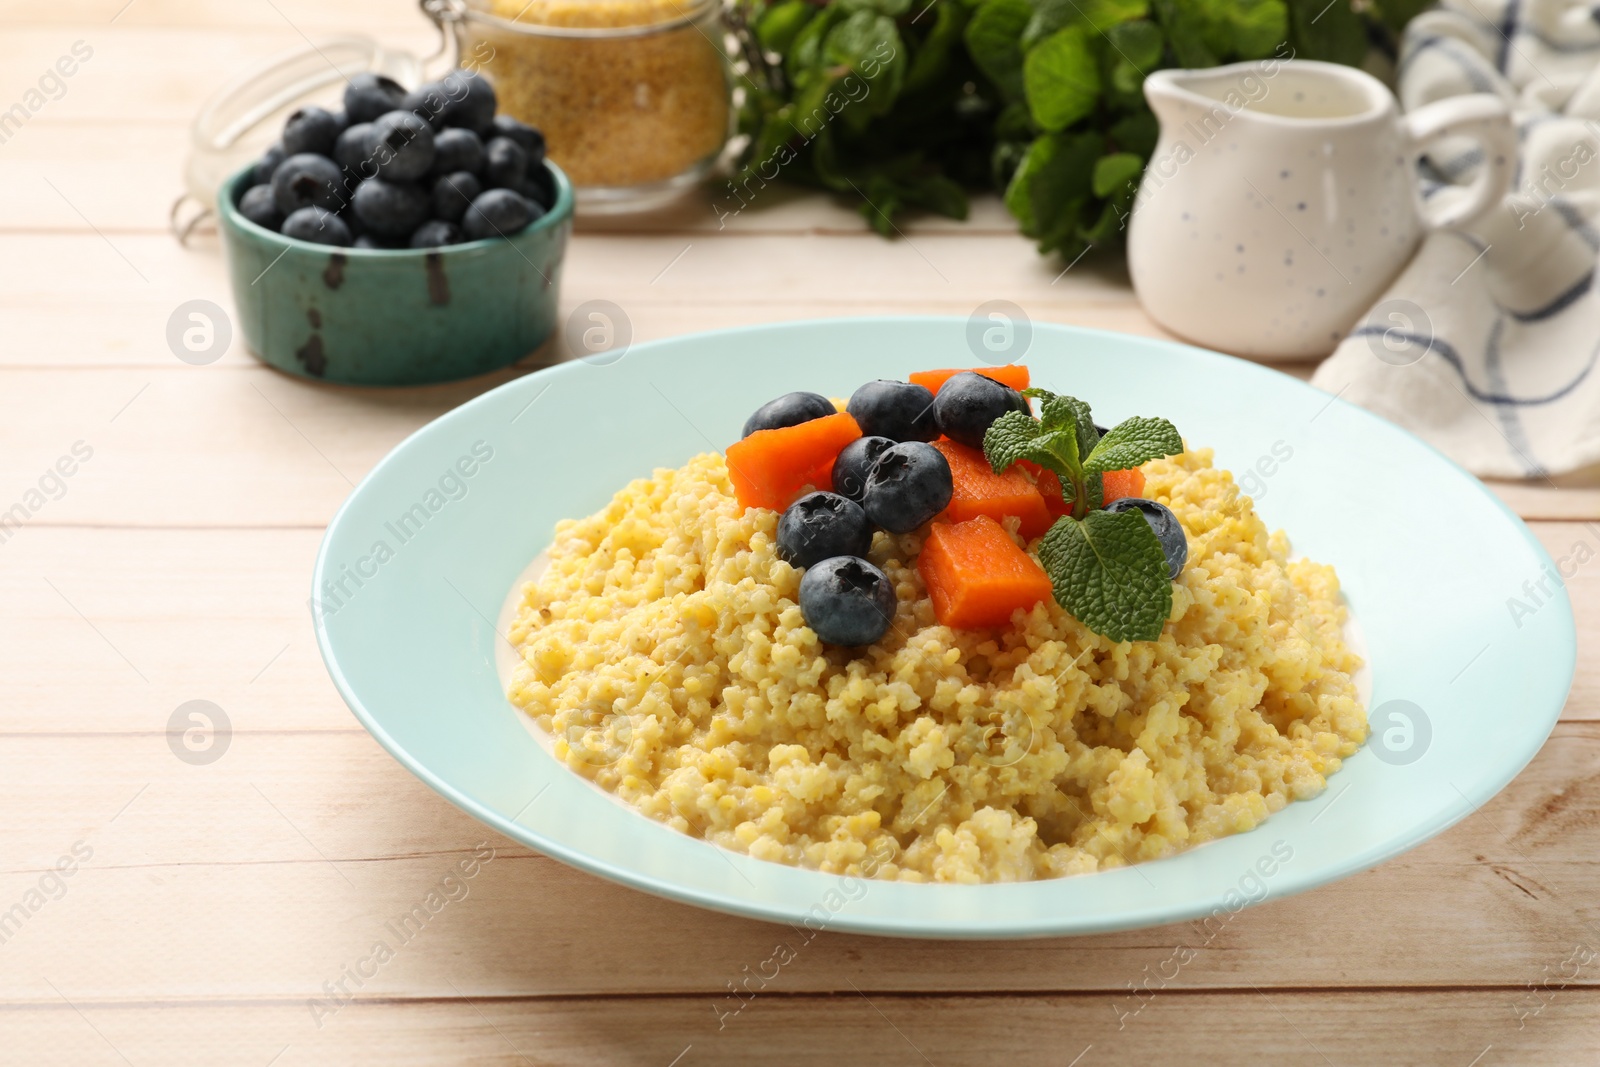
x,y
1015,436
1052,15
1186,24
994,39
863,42
892,8
1133,442
1094,490
1068,413
931,63
1110,573
805,56
1062,77
1258,27
1139,42
1052,185
1136,133
781,23
1330,30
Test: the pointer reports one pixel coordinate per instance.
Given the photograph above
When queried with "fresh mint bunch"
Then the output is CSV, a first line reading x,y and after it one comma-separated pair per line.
x,y
903,105
1107,569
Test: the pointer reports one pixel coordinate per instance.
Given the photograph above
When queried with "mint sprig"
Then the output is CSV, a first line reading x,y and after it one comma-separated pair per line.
x,y
1108,569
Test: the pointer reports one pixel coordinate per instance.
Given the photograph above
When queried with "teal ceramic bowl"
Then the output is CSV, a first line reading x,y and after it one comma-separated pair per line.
x,y
417,564
367,317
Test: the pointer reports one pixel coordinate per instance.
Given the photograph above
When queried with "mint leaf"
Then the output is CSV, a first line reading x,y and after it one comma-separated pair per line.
x,y
892,8
1257,27
1052,15
994,39
1139,43
1115,171
1070,413
805,55
1109,571
856,42
781,23
1136,133
1186,25
1132,442
1061,78
1328,30
1015,436
1051,185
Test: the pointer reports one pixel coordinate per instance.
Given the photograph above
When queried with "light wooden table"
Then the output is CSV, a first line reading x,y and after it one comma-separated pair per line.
x,y
214,910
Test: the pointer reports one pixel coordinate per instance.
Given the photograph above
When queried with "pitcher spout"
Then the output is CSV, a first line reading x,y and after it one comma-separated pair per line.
x,y
1178,97
1170,98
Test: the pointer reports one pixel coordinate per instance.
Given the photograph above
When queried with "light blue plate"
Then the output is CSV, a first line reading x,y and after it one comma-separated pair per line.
x,y
427,553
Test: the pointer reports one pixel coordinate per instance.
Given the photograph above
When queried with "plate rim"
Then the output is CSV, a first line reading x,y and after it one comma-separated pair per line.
x,y
843,920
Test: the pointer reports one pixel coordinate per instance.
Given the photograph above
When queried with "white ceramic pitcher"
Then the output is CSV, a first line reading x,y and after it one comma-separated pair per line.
x,y
1281,199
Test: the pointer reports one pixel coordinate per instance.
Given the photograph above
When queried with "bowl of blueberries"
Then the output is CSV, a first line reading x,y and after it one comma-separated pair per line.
x,y
413,237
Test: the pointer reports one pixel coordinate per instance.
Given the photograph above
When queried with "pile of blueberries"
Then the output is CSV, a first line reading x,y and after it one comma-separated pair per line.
x,y
890,478
396,169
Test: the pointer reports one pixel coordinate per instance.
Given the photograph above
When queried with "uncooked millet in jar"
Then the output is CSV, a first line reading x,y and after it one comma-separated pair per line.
x,y
615,110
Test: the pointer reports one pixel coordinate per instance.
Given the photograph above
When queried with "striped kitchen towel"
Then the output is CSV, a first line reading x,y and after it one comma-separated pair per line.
x,y
1486,344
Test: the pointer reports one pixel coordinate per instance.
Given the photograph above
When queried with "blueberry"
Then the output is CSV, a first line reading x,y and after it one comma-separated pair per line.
x,y
969,403
854,463
908,485
369,241
505,163
790,409
453,194
531,140
847,601
497,213
469,102
348,214
318,226
261,173
455,149
368,95
1169,531
390,209
402,146
311,129
427,102
820,526
537,190
261,207
353,151
436,232
306,180
896,410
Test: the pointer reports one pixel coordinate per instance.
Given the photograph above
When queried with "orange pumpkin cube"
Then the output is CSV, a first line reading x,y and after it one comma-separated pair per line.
x,y
978,490
770,468
1012,374
977,576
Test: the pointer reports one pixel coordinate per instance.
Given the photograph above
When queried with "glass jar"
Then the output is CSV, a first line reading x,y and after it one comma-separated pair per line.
x,y
633,96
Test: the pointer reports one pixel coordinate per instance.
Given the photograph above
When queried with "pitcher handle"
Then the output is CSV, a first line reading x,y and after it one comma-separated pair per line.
x,y
1484,118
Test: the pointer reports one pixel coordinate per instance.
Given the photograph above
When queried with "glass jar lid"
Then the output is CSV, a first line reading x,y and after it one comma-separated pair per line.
x,y
573,18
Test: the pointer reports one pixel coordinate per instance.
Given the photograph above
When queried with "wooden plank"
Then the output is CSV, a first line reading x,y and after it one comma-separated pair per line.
x,y
142,74
222,17
1300,1029
91,300
285,860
